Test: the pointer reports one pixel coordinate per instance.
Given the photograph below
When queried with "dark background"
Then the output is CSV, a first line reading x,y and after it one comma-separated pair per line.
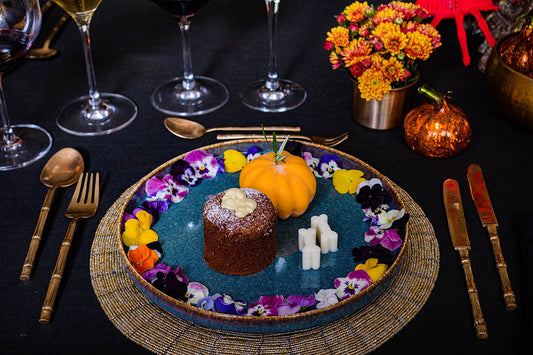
x,y
136,47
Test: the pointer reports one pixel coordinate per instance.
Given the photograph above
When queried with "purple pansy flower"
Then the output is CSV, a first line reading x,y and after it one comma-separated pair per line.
x,y
389,238
312,162
294,304
252,153
206,303
195,292
355,282
266,306
384,255
328,164
184,173
370,194
155,207
173,283
225,304
204,165
166,189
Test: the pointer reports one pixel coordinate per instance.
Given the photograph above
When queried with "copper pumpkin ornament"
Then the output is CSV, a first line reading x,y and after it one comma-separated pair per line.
x,y
517,50
436,129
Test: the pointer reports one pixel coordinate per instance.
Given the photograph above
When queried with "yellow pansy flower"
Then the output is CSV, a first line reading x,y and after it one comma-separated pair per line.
x,y
234,161
373,269
137,230
346,181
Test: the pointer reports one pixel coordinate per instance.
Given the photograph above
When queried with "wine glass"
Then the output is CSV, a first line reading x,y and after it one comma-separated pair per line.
x,y
273,94
97,113
188,95
20,145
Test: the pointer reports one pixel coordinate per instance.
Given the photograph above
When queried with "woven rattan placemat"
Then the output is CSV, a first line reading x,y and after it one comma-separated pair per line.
x,y
148,325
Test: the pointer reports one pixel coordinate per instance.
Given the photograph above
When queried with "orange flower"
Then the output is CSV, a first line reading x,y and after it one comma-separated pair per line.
x,y
392,37
430,31
334,60
393,69
418,46
142,258
373,84
356,51
339,36
356,12
387,14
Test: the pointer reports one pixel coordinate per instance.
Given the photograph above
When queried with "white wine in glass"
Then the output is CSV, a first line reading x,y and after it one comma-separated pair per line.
x,y
97,113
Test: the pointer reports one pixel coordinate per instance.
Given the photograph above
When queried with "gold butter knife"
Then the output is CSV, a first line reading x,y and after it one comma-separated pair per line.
x,y
459,235
480,195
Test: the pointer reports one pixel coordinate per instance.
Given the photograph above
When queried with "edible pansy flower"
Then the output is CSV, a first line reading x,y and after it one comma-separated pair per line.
x,y
266,306
312,162
387,218
172,283
326,298
346,181
234,161
204,165
166,188
184,173
195,292
151,275
142,258
294,304
252,153
379,252
155,207
328,164
389,238
355,282
370,194
137,230
373,269
225,304
206,303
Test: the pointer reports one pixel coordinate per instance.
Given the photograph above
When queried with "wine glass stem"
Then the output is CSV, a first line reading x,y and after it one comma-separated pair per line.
x,y
188,83
8,137
272,7
94,96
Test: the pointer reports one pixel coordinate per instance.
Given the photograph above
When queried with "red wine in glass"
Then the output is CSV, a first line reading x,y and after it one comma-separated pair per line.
x,y
181,8
13,45
188,95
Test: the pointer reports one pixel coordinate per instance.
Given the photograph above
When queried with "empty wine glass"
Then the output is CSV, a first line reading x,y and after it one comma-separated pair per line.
x,y
188,95
20,22
273,94
97,113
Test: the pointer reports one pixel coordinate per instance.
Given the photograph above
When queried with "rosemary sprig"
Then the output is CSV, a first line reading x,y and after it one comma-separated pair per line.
x,y
278,157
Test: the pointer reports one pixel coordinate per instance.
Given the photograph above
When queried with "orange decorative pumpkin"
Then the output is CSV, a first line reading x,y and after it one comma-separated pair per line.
x,y
436,129
288,182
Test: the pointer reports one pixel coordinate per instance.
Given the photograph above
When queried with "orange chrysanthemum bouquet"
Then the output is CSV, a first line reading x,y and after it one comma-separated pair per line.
x,y
380,47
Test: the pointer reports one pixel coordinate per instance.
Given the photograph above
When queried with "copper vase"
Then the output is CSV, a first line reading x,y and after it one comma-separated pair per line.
x,y
385,114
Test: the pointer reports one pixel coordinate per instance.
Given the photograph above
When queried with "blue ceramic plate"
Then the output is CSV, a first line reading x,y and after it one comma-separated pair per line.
x,y
180,231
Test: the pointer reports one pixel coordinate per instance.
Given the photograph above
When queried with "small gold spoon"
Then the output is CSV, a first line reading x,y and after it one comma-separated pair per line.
x,y
190,129
63,169
45,51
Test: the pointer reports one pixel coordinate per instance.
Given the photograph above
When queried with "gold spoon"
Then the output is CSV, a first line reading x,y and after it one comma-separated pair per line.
x,y
190,129
45,51
63,169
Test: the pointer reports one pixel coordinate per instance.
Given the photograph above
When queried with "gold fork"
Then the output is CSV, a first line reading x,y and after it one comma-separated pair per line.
x,y
329,142
82,205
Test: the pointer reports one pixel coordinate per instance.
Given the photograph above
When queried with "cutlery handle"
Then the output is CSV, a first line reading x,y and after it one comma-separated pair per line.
x,y
55,280
508,294
479,322
257,128
258,136
36,238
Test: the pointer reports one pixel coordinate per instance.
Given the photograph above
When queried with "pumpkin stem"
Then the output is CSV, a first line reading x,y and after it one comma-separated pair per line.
x,y
278,153
433,96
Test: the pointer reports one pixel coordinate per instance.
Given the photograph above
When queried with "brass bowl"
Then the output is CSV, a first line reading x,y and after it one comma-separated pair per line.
x,y
510,89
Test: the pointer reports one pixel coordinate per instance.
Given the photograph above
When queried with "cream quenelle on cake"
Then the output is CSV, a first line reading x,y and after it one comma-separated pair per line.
x,y
239,231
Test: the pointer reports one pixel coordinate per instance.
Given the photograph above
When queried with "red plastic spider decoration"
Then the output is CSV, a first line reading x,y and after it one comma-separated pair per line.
x,y
457,9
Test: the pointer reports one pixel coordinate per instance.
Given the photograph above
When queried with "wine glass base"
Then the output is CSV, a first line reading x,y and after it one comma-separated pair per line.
x,y
117,112
207,96
286,97
33,143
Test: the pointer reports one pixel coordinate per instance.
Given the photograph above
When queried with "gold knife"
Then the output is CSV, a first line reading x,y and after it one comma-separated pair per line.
x,y
461,243
480,195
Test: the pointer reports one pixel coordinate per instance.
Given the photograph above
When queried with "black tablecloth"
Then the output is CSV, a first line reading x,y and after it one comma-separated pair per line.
x,y
136,47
